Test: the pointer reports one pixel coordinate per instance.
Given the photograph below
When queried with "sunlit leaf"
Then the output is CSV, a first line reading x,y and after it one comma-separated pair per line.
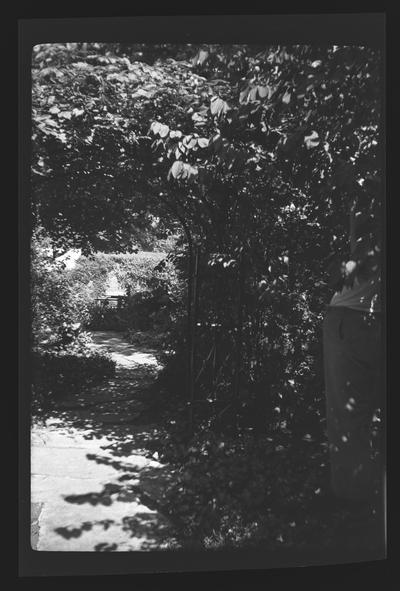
x,y
202,56
77,112
243,95
252,96
263,91
202,142
218,106
312,140
176,169
173,134
155,127
163,130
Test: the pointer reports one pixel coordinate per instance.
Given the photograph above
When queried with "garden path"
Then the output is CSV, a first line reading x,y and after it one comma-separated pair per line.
x,y
95,482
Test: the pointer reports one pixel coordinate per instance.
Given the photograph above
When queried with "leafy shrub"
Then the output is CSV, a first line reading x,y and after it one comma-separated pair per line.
x,y
105,317
132,271
88,279
58,312
225,489
57,374
62,362
155,294
135,272
242,492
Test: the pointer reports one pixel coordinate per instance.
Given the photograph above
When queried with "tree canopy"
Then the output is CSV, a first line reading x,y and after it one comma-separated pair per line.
x,y
118,133
256,153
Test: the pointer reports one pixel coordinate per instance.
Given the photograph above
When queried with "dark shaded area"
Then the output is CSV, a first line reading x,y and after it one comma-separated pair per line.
x,y
317,524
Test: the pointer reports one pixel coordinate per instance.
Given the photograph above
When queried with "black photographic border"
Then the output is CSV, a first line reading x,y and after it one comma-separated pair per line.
x,y
342,28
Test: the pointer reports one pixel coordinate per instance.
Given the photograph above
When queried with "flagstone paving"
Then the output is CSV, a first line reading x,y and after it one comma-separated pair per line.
x,y
95,483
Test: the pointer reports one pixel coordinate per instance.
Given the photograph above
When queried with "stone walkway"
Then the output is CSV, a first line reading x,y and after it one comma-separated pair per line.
x,y
95,483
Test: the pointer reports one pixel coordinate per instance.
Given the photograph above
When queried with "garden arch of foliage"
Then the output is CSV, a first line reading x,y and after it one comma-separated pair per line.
x,y
256,154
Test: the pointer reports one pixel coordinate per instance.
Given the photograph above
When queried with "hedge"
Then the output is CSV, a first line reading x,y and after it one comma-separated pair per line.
x,y
58,374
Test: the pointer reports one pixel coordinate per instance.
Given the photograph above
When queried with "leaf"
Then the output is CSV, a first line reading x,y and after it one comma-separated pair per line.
x,y
173,134
155,127
215,105
54,110
81,65
163,131
192,170
77,112
226,107
312,140
286,98
198,119
202,142
202,56
65,114
306,118
218,106
189,142
243,95
184,172
216,143
176,169
252,95
51,123
142,92
263,91
316,63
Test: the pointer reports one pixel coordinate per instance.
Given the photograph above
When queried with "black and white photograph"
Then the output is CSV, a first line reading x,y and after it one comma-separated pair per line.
x,y
206,227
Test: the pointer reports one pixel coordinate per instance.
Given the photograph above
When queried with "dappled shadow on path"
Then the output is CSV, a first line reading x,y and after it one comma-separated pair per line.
x,y
140,488
153,533
137,486
113,342
118,413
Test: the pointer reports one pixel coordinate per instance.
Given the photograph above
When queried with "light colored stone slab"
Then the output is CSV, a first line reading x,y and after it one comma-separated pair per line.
x,y
76,481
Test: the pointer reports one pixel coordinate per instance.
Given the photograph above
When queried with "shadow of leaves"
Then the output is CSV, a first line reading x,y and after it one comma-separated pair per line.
x,y
76,532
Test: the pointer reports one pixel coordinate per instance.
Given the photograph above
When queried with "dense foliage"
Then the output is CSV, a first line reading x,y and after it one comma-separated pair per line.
x,y
282,145
258,157
149,284
62,361
57,375
57,310
91,113
255,155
